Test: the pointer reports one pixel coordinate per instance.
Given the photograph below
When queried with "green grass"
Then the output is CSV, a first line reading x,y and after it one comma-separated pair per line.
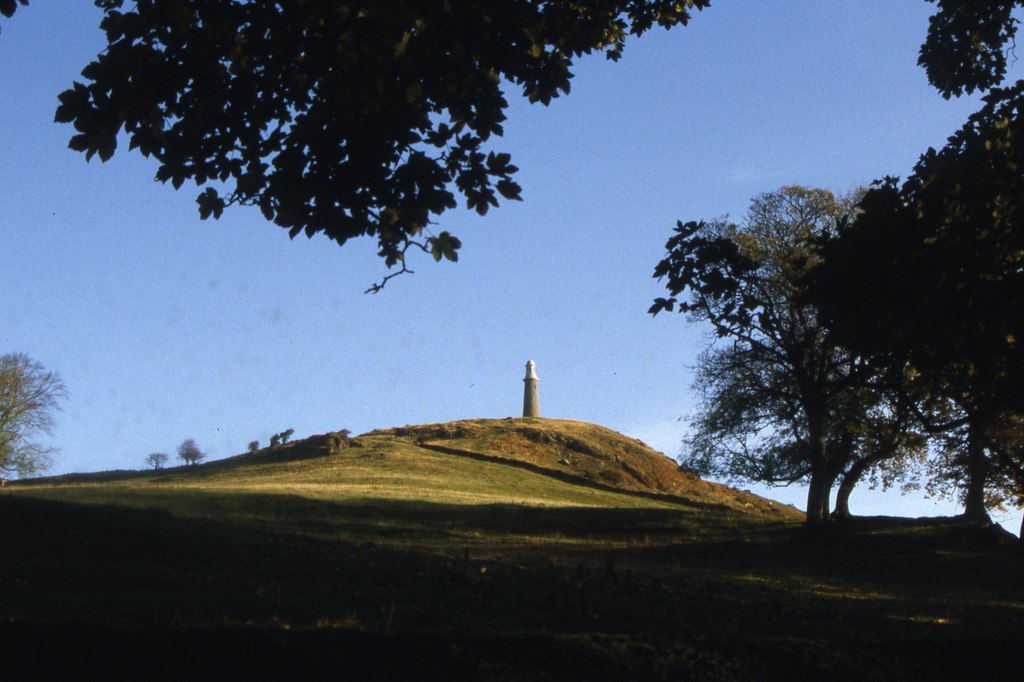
x,y
391,540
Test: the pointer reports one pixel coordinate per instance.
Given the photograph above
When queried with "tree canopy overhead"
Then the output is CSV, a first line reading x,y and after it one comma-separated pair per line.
x,y
967,45
7,7
340,118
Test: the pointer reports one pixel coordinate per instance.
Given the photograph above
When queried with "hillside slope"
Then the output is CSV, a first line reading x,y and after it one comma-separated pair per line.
x,y
582,452
508,549
521,461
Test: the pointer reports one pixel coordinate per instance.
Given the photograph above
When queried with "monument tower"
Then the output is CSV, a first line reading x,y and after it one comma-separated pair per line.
x,y
531,398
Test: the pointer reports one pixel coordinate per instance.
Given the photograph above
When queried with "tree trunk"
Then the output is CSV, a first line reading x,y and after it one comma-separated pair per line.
x,y
817,495
977,471
842,511
821,482
852,477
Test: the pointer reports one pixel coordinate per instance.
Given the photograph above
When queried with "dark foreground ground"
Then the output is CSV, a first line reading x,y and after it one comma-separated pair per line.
x,y
278,587
69,651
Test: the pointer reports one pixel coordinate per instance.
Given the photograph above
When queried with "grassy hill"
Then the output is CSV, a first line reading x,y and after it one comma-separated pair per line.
x,y
487,549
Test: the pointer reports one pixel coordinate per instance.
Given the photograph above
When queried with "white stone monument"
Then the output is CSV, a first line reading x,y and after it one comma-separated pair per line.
x,y
531,398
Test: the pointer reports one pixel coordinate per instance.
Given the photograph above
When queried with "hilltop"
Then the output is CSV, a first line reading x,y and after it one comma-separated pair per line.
x,y
580,452
575,459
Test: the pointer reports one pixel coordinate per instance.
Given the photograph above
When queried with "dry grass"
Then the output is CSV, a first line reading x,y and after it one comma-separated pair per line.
x,y
579,450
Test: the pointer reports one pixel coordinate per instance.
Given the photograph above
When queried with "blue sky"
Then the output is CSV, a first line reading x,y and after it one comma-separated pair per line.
x,y
165,327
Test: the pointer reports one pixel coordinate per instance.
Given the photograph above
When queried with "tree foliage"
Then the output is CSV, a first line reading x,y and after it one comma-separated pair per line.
x,y
967,44
929,278
931,271
1006,480
748,427
7,7
29,395
782,402
189,452
340,118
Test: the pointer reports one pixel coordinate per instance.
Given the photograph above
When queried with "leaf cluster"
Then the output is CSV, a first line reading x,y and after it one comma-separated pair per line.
x,y
746,280
7,7
967,44
711,267
930,273
338,118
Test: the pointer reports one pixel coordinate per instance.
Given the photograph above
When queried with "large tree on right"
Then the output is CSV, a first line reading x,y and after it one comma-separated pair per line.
x,y
929,277
781,402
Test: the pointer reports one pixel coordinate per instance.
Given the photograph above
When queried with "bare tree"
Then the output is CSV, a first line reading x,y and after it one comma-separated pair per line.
x,y
29,395
157,460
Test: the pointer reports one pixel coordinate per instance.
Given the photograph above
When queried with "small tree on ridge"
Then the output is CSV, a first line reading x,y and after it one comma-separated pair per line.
x,y
156,460
189,452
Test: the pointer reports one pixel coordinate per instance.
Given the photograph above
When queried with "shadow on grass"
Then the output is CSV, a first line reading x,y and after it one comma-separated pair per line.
x,y
581,481
187,559
372,518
